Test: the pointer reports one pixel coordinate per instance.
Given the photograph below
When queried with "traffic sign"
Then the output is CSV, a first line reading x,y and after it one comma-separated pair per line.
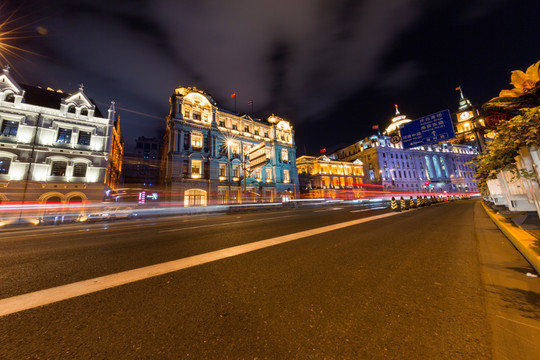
x,y
395,139
428,130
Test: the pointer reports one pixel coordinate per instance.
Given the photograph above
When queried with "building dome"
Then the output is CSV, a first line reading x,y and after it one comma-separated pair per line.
x,y
398,122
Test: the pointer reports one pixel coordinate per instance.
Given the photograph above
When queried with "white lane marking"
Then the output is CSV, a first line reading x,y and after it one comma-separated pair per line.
x,y
518,322
48,296
373,208
229,223
331,209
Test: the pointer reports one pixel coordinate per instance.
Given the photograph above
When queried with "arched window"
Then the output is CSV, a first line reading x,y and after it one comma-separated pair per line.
x,y
84,111
10,97
71,109
195,197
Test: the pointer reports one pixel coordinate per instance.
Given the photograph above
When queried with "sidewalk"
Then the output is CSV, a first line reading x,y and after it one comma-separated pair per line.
x,y
526,241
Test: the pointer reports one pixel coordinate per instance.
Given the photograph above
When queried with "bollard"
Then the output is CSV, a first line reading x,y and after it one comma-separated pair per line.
x,y
394,205
412,205
403,204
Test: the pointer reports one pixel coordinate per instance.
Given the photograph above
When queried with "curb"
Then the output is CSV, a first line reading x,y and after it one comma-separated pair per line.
x,y
522,240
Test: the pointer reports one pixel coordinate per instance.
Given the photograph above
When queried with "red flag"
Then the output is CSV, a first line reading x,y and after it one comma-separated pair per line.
x,y
233,95
323,151
375,127
458,88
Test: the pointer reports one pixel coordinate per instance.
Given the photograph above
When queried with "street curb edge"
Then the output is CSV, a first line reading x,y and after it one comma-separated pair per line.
x,y
522,240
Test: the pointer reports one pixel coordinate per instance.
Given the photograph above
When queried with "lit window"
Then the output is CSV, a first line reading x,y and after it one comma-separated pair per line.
x,y
236,171
10,128
196,166
221,123
79,169
58,168
286,178
196,115
4,165
186,113
246,128
84,138
64,136
268,175
222,170
284,155
196,140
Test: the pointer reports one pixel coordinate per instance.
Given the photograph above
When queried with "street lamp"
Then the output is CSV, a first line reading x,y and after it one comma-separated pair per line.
x,y
229,143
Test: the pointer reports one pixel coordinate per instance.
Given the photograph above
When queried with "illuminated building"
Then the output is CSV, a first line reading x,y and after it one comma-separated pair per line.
x,y
206,154
116,150
322,177
470,127
54,146
442,167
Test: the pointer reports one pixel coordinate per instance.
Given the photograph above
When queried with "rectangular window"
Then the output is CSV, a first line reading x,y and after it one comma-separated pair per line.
x,y
236,171
64,136
235,126
196,140
246,128
4,166
256,131
268,174
222,170
84,138
58,168
79,169
285,155
286,178
196,167
196,115
186,113
10,128
221,123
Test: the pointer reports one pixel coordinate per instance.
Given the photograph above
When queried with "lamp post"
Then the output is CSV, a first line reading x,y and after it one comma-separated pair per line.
x,y
229,143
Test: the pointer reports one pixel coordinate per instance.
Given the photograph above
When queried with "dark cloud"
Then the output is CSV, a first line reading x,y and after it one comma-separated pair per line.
x,y
333,68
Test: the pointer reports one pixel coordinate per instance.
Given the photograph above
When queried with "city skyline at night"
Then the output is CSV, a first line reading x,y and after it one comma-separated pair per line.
x,y
332,71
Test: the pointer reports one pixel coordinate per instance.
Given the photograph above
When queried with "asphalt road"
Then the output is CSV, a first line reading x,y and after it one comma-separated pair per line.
x,y
408,286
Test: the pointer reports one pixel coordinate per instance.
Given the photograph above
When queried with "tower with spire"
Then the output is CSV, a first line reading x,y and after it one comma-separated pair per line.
x,y
469,125
398,121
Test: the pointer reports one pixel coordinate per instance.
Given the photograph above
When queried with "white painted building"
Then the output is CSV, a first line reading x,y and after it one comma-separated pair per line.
x,y
442,167
54,146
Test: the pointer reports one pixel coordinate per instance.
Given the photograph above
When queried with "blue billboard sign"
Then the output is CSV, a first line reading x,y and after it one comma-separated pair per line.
x,y
428,130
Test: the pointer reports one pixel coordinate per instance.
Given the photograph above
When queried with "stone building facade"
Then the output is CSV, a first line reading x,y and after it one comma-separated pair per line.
x,y
206,154
54,146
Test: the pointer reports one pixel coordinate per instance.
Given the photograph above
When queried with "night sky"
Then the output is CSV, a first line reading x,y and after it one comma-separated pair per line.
x,y
333,68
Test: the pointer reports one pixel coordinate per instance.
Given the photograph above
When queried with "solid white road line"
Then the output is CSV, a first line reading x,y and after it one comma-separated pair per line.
x,y
373,208
48,296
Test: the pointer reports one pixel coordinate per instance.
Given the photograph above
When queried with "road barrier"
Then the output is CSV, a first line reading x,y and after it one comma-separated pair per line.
x,y
394,205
